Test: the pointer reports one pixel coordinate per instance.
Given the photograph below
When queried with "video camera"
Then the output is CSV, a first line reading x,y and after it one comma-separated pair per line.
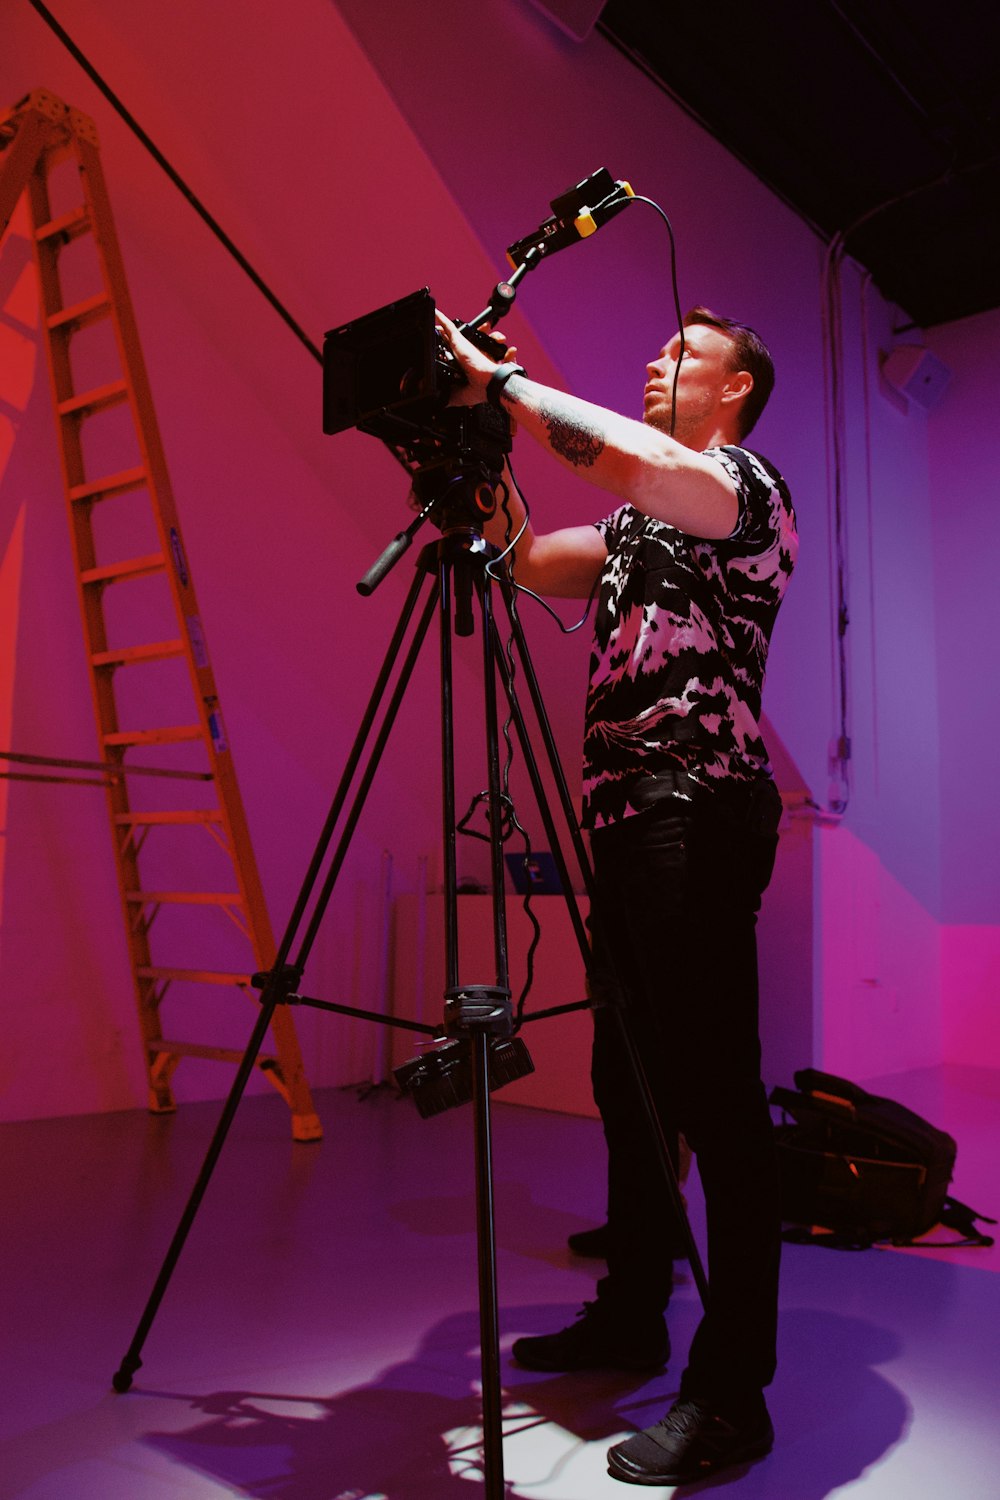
x,y
390,375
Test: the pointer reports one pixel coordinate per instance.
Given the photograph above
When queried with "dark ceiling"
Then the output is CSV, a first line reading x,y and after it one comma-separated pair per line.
x,y
878,118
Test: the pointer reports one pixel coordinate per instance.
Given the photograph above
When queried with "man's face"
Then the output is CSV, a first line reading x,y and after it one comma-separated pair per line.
x,y
705,371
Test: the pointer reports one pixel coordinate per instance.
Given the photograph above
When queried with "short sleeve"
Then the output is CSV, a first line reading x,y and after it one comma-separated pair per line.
x,y
757,496
616,526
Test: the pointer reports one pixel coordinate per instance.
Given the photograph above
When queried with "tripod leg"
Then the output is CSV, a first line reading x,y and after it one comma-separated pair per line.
x,y
122,1378
493,782
283,977
353,761
367,778
622,1018
478,1031
545,729
548,822
489,1321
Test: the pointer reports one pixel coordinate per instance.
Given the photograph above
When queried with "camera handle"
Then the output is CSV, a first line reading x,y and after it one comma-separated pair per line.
x,y
388,559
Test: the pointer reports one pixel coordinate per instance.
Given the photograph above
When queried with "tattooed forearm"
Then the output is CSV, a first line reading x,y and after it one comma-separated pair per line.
x,y
580,442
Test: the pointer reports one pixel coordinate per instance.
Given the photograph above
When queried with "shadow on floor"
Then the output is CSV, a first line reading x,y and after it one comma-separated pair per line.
x,y
411,1434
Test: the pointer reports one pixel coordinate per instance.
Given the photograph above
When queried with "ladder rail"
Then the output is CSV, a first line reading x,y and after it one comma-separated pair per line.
x,y
36,135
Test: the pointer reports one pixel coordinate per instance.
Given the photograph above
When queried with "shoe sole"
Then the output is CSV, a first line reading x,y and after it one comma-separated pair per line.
x,y
632,1366
619,1469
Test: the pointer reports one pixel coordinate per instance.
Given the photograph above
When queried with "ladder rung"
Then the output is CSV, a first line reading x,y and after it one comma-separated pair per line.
x,y
193,976
157,819
127,655
68,225
216,1054
111,484
81,313
184,898
130,567
171,735
98,399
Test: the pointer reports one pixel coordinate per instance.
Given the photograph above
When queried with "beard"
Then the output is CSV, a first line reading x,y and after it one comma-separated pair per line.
x,y
691,412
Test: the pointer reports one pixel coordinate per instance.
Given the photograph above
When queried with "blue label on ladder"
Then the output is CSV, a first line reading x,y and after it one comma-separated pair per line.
x,y
180,563
216,728
199,651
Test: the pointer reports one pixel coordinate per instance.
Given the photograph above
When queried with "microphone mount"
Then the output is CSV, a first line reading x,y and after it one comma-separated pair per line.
x,y
576,215
573,219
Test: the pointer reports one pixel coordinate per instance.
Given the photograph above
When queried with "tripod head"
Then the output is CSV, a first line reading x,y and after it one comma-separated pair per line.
x,y
388,375
455,467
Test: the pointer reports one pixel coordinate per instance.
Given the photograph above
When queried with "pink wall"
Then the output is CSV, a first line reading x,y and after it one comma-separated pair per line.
x,y
352,159
877,961
970,979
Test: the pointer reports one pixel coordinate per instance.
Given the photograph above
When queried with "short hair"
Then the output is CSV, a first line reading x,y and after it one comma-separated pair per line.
x,y
749,353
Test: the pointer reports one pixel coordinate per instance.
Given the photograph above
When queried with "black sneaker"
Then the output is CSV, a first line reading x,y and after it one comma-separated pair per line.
x,y
594,1242
690,1443
590,1242
598,1340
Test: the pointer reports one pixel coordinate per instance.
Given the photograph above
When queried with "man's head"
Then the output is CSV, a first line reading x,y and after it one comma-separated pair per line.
x,y
749,353
725,380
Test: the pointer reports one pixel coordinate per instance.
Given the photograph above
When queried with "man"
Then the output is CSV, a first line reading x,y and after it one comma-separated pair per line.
x,y
683,816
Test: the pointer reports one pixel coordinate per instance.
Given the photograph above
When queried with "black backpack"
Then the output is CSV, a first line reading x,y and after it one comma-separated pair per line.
x,y
856,1168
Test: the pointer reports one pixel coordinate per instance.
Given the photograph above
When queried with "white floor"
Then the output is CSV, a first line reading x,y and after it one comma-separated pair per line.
x,y
319,1338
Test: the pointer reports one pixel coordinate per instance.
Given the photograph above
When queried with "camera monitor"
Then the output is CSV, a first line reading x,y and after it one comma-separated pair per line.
x,y
383,363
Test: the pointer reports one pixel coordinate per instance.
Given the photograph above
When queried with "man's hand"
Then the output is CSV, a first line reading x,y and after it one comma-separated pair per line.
x,y
476,366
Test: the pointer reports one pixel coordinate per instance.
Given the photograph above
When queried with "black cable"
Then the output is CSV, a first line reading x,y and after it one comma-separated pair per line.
x,y
520,588
510,550
176,178
638,198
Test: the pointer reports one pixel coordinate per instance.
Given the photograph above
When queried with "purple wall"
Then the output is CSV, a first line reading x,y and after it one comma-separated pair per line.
x,y
966,531
965,527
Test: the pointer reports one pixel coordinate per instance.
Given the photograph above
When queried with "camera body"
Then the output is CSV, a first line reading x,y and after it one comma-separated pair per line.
x,y
391,364
390,374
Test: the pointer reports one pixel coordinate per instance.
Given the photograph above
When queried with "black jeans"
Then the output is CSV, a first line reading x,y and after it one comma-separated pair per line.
x,y
678,889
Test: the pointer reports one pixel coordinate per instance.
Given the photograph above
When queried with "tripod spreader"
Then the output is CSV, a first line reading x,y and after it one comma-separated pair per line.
x,y
285,978
478,1007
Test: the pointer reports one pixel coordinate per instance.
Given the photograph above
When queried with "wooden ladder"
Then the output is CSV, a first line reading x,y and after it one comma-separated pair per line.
x,y
180,866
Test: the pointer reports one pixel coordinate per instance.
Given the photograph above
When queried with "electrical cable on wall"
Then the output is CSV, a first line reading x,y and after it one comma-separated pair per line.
x,y
176,178
866,284
831,310
840,754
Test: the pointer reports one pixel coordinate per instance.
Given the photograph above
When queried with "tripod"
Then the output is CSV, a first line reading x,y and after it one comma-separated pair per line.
x,y
477,1016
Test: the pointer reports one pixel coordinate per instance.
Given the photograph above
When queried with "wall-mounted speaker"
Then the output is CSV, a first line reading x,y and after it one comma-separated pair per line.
x,y
916,373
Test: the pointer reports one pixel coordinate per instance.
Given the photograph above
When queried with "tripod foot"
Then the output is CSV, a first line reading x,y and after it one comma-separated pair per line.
x,y
121,1380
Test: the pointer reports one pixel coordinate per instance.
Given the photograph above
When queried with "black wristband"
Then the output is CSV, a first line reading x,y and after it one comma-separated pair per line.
x,y
497,381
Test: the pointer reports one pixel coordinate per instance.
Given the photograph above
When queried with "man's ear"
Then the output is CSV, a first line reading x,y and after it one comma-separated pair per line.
x,y
739,384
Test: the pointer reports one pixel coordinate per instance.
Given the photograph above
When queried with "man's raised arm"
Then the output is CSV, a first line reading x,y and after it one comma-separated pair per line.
x,y
563,564
659,476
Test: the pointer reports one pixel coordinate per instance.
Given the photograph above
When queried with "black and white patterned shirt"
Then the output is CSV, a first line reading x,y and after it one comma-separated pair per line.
x,y
680,643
